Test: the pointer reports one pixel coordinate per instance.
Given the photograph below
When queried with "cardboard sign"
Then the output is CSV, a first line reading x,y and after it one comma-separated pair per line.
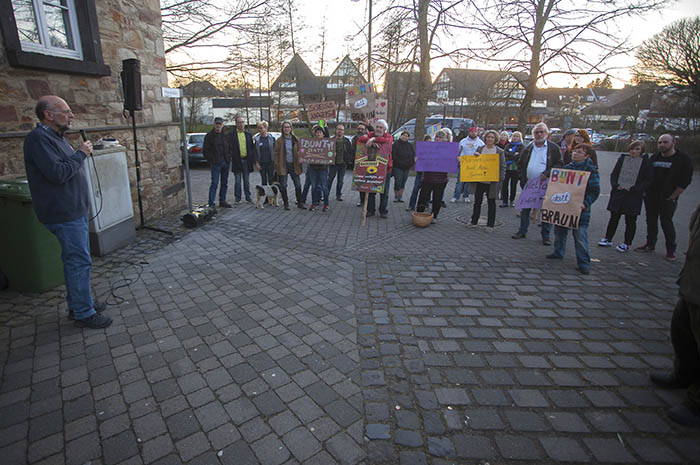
x,y
437,156
629,172
563,202
323,110
381,108
433,129
362,102
484,168
317,151
370,168
533,194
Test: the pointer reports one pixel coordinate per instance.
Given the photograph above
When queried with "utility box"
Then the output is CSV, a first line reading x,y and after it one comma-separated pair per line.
x,y
30,255
112,225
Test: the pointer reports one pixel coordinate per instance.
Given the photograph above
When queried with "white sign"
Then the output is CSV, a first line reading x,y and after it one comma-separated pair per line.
x,y
171,93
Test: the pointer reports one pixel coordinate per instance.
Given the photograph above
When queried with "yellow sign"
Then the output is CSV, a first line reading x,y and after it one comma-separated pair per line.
x,y
484,168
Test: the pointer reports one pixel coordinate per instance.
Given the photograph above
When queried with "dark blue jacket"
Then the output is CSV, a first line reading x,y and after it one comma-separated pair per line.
x,y
56,180
592,188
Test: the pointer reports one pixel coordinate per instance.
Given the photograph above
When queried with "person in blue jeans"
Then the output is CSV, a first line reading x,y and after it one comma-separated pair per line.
x,y
417,183
243,159
319,178
537,160
216,150
580,161
60,197
264,143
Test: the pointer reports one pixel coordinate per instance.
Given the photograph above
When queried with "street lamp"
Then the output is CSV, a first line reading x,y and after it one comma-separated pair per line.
x,y
369,42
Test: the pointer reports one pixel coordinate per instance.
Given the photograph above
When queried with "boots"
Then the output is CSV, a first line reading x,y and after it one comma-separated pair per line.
x,y
285,199
300,204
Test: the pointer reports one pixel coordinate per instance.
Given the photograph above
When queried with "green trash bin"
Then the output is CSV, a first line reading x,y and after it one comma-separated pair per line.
x,y
30,255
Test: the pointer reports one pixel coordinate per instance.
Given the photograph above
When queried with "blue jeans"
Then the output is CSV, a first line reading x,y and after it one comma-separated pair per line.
x,y
414,193
295,178
319,186
75,254
219,171
246,182
525,224
267,170
583,258
339,171
461,188
307,185
400,178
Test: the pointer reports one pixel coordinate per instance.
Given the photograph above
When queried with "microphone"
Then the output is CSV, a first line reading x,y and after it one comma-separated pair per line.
x,y
83,134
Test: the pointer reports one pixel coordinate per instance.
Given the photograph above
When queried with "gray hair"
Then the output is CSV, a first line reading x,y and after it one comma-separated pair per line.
x,y
447,132
540,125
263,124
382,122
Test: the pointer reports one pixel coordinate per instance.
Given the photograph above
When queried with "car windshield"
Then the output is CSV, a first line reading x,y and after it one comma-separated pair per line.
x,y
197,139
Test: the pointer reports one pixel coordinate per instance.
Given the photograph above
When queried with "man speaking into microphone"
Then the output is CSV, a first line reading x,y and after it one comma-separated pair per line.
x,y
61,201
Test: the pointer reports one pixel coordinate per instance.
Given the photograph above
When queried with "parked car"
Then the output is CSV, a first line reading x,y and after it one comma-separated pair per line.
x,y
597,138
457,125
195,141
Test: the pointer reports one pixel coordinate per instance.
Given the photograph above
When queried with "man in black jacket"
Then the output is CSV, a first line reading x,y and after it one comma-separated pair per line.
x,y
343,148
673,172
537,159
216,150
60,197
243,158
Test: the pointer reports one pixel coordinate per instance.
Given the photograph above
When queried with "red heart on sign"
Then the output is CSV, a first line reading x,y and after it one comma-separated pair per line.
x,y
383,104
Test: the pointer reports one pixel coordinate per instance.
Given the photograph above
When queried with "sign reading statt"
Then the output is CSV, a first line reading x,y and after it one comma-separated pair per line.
x,y
563,201
321,111
317,151
370,168
484,168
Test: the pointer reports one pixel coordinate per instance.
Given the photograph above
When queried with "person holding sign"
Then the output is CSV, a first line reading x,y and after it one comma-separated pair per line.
x,y
319,178
630,178
537,159
433,183
490,189
373,140
467,146
580,161
286,159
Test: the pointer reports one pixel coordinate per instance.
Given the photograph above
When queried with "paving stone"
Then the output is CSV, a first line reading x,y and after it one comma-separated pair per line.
x,y
408,438
156,448
344,449
412,458
451,396
473,447
517,447
380,451
441,447
83,449
182,424
241,410
270,450
301,443
567,422
378,431
608,450
192,446
564,449
119,448
653,450
525,421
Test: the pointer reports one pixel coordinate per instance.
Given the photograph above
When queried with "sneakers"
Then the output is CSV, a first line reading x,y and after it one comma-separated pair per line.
x,y
359,204
503,205
584,270
453,200
622,248
554,256
383,215
237,202
433,221
95,321
325,208
98,306
489,229
605,243
518,235
312,208
467,200
546,242
670,256
512,204
224,204
472,225
644,248
339,199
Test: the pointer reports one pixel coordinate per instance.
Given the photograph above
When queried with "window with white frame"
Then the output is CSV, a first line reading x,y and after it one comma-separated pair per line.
x,y
49,27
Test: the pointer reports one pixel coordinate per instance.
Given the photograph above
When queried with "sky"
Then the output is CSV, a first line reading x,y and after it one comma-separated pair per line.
x,y
344,18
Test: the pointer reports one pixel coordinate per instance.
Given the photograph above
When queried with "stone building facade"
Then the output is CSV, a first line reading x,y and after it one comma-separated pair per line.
x,y
84,69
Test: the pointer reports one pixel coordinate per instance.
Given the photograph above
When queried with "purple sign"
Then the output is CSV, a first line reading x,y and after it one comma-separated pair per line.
x,y
440,157
532,194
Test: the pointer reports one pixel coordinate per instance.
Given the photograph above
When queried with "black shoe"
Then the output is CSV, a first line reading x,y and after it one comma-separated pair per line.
x,y
370,214
546,242
359,204
554,256
400,201
503,205
95,321
224,204
286,206
443,204
684,416
339,199
98,306
667,380
383,215
518,235
583,270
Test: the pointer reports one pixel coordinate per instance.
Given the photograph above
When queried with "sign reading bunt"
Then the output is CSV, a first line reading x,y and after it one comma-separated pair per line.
x,y
629,172
437,156
484,168
362,102
533,194
321,111
370,168
317,151
563,201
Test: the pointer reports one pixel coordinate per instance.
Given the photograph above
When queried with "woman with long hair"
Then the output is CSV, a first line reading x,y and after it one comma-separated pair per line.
x,y
512,155
581,137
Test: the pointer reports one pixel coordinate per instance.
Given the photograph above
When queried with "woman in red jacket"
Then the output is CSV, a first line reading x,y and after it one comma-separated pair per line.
x,y
374,140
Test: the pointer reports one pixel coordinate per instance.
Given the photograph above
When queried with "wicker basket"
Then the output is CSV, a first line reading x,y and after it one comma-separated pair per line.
x,y
422,220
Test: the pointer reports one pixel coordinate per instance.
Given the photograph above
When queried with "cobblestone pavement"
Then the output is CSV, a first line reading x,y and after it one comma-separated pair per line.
x,y
277,337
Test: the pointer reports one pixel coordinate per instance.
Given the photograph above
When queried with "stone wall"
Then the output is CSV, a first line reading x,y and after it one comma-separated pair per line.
x,y
128,29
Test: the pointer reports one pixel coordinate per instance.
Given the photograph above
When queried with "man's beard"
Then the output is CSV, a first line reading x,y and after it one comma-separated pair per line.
x,y
62,128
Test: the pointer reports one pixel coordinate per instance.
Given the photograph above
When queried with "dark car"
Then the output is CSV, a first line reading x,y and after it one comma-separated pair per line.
x,y
195,141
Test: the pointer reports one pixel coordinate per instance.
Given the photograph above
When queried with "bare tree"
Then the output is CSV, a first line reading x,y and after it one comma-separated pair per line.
x,y
545,37
671,56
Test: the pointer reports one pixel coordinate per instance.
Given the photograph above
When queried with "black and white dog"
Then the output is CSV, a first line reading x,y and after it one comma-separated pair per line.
x,y
269,193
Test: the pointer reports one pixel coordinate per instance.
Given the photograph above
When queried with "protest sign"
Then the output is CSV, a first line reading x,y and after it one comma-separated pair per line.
x,y
629,172
317,151
362,102
533,193
437,156
484,168
432,130
381,109
563,201
370,168
323,110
